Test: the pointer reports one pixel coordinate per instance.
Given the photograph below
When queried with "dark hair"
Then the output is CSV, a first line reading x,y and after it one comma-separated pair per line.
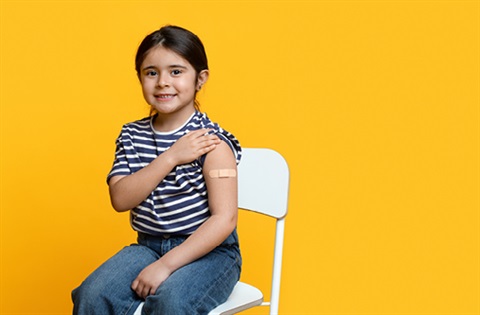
x,y
180,41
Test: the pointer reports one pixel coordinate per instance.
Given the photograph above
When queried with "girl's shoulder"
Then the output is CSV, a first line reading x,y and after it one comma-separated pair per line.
x,y
140,127
143,124
140,122
201,120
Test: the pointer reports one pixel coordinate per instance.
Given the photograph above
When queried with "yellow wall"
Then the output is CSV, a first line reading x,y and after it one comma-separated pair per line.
x,y
375,104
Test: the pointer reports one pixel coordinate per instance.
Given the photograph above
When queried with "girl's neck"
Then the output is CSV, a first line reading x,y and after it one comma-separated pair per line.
x,y
170,122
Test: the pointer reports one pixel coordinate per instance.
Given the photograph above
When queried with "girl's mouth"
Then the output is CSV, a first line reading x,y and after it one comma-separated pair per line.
x,y
164,97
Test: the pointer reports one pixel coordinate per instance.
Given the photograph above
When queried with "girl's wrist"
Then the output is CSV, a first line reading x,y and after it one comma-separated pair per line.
x,y
169,158
166,265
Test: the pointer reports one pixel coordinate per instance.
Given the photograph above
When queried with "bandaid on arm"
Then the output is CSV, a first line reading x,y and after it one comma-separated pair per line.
x,y
223,173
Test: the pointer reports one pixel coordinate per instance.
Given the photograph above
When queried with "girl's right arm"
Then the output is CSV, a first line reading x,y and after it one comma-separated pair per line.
x,y
127,192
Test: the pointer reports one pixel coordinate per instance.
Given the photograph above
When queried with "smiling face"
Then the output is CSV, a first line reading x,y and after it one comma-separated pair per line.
x,y
169,84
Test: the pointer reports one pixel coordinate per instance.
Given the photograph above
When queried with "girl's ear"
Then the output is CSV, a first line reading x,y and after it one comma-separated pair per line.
x,y
202,78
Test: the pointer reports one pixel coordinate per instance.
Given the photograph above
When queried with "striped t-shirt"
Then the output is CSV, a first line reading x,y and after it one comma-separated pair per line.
x,y
179,204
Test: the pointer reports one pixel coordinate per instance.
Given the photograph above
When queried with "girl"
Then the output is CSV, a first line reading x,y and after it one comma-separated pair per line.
x,y
166,172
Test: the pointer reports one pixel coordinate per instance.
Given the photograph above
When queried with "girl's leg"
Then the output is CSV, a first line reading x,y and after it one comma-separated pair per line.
x,y
107,290
200,286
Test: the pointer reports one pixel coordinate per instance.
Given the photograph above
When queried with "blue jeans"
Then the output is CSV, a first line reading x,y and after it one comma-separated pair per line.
x,y
196,288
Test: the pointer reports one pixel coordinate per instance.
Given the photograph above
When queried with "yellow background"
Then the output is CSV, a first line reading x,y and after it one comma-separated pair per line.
x,y
375,105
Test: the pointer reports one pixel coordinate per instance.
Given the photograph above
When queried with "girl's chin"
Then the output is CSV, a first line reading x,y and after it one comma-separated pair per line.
x,y
167,109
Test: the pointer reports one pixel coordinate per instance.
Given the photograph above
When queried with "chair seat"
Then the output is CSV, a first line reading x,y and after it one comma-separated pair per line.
x,y
244,296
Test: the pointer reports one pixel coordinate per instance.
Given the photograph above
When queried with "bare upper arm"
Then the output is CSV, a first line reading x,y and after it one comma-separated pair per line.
x,y
222,191
221,157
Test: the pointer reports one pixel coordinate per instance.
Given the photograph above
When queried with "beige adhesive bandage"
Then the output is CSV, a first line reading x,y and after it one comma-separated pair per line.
x,y
223,173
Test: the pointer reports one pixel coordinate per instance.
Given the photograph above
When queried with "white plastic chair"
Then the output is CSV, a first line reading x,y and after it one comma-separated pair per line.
x,y
263,186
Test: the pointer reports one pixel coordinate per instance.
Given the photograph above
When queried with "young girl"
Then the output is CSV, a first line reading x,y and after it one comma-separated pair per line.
x,y
176,173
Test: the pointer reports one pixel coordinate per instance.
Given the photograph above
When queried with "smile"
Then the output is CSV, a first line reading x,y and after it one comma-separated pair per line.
x,y
164,97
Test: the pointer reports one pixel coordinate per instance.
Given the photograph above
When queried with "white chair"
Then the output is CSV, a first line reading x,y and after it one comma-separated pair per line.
x,y
263,186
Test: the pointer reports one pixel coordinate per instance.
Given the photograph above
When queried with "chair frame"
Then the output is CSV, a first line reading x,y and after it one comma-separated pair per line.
x,y
272,200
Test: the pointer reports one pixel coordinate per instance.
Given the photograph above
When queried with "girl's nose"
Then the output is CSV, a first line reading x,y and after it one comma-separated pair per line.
x,y
163,81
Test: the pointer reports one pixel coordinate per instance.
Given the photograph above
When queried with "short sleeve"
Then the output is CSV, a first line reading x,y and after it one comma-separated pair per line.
x,y
229,139
121,164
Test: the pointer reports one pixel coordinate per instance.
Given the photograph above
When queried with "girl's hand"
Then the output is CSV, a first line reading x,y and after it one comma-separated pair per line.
x,y
192,145
150,278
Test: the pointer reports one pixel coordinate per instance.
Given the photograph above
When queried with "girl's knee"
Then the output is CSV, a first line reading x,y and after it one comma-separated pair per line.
x,y
165,303
87,297
97,297
171,301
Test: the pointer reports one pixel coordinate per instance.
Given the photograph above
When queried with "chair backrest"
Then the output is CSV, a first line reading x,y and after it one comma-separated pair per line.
x,y
263,187
263,181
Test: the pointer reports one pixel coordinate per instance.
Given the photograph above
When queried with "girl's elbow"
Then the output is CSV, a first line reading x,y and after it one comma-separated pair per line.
x,y
231,222
118,205
226,221
116,199
120,209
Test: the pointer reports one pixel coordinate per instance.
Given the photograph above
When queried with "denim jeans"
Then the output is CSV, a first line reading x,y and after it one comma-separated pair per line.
x,y
196,288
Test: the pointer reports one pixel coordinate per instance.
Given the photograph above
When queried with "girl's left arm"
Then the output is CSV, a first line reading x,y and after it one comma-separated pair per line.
x,y
222,201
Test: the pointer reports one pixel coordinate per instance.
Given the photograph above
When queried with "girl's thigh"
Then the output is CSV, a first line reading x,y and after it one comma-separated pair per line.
x,y
108,289
198,287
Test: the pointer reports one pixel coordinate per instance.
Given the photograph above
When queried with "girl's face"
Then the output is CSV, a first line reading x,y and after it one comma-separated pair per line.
x,y
169,83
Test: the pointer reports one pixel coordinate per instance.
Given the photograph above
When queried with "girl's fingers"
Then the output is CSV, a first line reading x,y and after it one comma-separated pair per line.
x,y
147,292
152,291
204,139
199,133
209,144
194,144
144,292
208,148
211,140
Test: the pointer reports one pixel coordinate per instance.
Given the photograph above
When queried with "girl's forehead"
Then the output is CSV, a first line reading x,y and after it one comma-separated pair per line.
x,y
164,56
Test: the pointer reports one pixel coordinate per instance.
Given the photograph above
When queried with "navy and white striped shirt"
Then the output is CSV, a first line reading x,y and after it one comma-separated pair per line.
x,y
179,204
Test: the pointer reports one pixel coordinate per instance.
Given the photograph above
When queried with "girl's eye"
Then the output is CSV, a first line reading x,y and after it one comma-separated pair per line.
x,y
176,72
151,73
